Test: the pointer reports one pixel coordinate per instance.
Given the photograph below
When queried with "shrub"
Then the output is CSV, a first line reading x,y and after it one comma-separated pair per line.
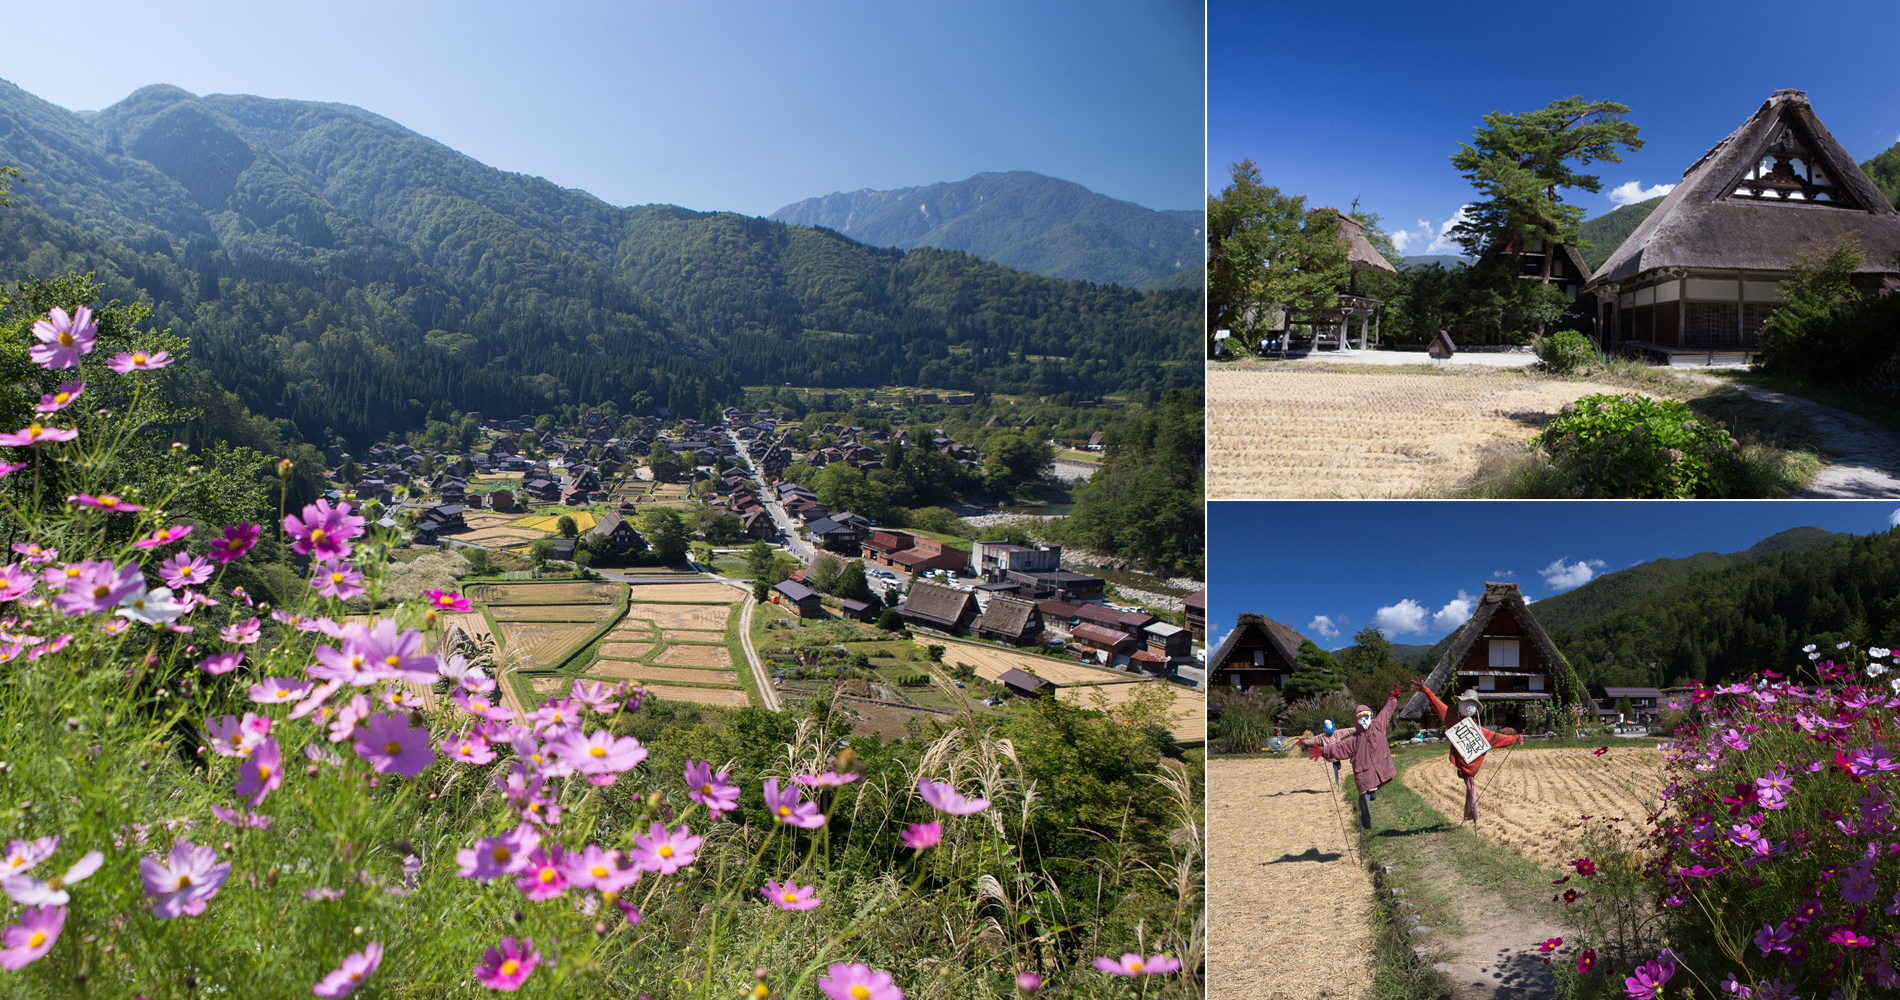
x,y
1566,351
1638,447
1246,718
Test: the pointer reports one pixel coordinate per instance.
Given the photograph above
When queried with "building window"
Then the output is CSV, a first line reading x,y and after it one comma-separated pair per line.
x,y
1259,657
1537,684
1504,654
1487,683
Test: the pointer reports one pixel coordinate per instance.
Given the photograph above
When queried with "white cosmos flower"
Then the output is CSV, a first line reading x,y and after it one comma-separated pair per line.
x,y
153,608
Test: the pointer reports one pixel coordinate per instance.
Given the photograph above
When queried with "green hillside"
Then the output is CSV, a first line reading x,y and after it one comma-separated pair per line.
x,y
1606,232
1020,219
343,273
1885,172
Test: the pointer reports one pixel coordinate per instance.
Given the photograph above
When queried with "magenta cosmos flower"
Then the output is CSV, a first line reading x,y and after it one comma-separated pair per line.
x,y
858,982
53,402
1028,982
23,943
184,570
1132,965
62,338
664,853
709,789
471,748
1648,982
494,857
443,600
184,882
261,773
139,361
391,744
37,433
829,779
787,807
29,891
323,531
922,836
602,698
543,877
221,663
354,970
944,798
236,540
790,896
601,756
336,578
163,537
506,966
108,502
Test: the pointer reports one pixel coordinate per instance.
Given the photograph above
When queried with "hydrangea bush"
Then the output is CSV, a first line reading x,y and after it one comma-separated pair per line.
x,y
1774,861
1636,447
202,794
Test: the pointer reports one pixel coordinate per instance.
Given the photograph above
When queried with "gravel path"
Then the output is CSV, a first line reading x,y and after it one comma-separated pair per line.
x,y
1863,457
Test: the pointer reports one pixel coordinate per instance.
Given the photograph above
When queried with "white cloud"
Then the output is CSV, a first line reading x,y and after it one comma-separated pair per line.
x,y
1455,613
1561,576
1406,616
1429,237
1893,519
1504,574
1631,192
1322,625
1217,640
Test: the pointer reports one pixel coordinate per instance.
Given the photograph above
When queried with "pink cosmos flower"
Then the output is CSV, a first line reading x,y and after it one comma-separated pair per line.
x,y
1647,983
442,600
59,642
108,503
790,896
221,663
36,433
400,655
787,807
29,891
184,882
9,468
279,691
22,855
163,536
593,868
1132,965
507,966
1028,982
1846,937
261,773
184,570
944,798
336,578
469,749
36,555
98,586
493,857
664,853
829,779
542,877
858,982
62,338
555,717
709,789
920,836
242,633
139,361
235,737
602,698
53,402
241,819
351,974
602,756
1551,944
234,543
1587,960
16,581
391,744
481,707
323,531
25,942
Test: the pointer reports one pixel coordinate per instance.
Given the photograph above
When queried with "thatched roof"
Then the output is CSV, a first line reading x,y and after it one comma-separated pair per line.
x,y
1359,250
1704,223
1005,616
1281,637
1496,596
937,604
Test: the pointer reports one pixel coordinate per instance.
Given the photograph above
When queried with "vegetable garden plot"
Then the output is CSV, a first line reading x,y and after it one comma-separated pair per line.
x,y
1534,803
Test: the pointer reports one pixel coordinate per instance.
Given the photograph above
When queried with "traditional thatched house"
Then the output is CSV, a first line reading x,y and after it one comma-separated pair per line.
x,y
934,605
1195,607
1504,655
1007,620
618,532
1700,274
1259,652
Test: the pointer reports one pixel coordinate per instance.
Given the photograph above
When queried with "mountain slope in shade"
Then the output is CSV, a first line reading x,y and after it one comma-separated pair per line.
x,y
1020,219
1606,232
1884,171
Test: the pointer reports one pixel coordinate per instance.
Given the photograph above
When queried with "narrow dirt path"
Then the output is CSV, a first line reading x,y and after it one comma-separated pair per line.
x,y
1491,959
1863,457
1289,905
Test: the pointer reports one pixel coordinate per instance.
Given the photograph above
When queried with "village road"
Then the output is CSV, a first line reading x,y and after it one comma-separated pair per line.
x,y
1863,457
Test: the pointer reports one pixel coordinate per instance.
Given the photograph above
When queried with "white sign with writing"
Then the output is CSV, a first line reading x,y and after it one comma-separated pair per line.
x,y
1467,738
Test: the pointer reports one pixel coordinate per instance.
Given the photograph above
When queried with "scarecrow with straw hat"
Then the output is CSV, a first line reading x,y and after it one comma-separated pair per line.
x,y
1467,769
1365,746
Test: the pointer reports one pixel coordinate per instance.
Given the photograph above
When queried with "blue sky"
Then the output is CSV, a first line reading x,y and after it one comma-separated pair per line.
x,y
1414,566
741,106
1367,100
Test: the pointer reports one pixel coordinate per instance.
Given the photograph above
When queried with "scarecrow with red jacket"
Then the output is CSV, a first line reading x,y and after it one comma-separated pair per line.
x,y
1468,770
1365,746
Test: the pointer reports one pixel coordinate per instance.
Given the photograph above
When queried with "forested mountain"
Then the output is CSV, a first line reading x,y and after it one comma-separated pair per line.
x,y
1606,232
1021,219
1884,171
342,272
1754,614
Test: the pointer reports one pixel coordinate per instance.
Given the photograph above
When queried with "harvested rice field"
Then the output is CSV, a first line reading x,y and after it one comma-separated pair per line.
x,y
1187,719
1282,432
625,650
695,656
552,612
1530,801
503,536
544,593
1295,907
583,521
720,697
683,675
703,593
990,662
536,645
695,616
685,635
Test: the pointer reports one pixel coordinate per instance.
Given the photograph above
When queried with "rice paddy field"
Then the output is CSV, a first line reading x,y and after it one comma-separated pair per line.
x,y
494,594
1531,801
1285,432
1080,684
673,648
552,612
704,617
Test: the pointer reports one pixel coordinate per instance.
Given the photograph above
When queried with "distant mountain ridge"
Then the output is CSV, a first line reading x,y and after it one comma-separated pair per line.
x,y
1020,219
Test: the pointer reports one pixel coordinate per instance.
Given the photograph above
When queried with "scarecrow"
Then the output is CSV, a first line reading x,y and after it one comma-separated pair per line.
x,y
1467,769
1365,746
